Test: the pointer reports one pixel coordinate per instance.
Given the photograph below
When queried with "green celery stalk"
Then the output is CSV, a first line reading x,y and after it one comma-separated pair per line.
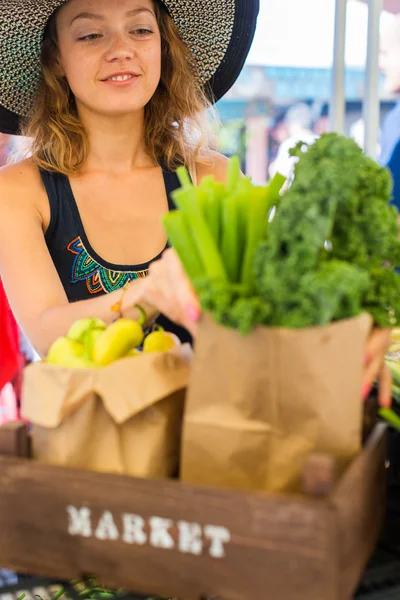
x,y
388,415
181,239
257,224
230,243
243,195
184,177
260,202
213,193
234,174
207,249
201,199
235,214
186,183
274,187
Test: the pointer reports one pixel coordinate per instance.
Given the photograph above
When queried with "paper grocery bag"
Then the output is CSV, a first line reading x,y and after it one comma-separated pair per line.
x,y
125,418
258,405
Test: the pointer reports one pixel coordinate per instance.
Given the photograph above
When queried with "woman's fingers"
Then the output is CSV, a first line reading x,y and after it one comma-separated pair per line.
x,y
385,387
375,367
184,291
371,372
168,289
160,287
378,343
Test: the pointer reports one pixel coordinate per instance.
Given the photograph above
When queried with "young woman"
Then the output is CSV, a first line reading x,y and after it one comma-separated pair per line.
x,y
112,93
118,106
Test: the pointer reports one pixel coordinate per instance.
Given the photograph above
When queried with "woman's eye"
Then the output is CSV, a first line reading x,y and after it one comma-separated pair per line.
x,y
142,31
90,37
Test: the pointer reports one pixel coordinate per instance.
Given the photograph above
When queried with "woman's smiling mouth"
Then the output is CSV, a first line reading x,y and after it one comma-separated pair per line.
x,y
121,79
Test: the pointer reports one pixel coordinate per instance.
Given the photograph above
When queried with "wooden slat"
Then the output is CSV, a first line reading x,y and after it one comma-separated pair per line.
x,y
14,439
279,546
319,476
360,503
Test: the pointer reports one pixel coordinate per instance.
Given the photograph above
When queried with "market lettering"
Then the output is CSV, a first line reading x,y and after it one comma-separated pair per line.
x,y
192,538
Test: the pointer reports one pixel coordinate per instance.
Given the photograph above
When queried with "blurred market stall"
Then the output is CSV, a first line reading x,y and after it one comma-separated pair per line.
x,y
320,61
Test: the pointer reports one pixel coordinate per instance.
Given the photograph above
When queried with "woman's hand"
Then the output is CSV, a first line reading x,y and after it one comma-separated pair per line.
x,y
168,289
375,367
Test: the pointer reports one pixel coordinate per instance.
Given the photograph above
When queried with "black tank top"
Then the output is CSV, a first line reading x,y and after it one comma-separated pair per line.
x,y
83,273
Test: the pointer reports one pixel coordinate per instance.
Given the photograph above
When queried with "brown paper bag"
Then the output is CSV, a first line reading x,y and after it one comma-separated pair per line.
x,y
257,405
125,418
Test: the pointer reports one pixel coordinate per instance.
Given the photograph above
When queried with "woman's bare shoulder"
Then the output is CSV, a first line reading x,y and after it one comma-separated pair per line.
x,y
212,163
21,174
21,188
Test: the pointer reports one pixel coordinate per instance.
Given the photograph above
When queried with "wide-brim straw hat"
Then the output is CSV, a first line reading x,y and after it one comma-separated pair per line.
x,y
219,34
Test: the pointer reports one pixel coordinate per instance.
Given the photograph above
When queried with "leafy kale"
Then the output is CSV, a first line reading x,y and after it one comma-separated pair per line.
x,y
336,233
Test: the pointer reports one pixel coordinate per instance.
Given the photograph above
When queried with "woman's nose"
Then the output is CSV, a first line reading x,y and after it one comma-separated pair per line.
x,y
120,49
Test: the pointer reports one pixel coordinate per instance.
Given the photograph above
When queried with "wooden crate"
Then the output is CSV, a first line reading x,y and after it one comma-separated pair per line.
x,y
166,538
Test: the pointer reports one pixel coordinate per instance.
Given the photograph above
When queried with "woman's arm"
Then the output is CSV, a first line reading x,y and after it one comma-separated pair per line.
x,y
31,281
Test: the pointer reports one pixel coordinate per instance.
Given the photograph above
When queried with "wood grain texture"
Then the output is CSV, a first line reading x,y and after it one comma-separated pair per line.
x,y
319,475
14,440
281,547
359,501
278,545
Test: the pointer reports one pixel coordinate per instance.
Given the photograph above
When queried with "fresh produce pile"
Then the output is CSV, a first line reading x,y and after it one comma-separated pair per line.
x,y
90,344
328,250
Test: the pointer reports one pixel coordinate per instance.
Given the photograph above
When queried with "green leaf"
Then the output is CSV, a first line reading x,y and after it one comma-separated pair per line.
x,y
388,415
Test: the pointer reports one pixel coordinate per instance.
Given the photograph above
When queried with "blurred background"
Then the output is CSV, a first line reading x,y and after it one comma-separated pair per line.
x,y
288,87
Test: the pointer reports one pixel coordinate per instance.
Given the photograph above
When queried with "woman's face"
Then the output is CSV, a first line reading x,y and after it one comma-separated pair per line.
x,y
110,53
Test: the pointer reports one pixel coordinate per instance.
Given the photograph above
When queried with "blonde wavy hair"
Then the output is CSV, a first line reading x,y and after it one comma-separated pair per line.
x,y
175,125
